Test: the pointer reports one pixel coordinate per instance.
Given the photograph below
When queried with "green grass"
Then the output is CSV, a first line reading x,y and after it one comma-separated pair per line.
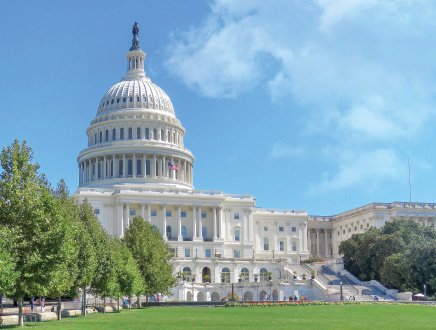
x,y
303,317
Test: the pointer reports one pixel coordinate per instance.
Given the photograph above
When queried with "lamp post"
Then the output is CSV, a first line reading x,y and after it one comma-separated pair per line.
x,y
342,297
273,253
233,294
270,289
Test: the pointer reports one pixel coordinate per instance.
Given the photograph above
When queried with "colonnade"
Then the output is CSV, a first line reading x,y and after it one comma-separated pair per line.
x,y
320,234
299,237
134,165
123,216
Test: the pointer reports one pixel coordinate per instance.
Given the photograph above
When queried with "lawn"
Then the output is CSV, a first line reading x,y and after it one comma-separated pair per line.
x,y
303,317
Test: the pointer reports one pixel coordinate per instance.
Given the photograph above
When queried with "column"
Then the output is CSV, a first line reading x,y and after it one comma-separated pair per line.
x,y
149,212
120,212
89,170
250,226
245,226
288,238
194,222
184,171
114,167
276,230
127,215
309,242
164,168
259,240
317,242
143,211
214,229
80,174
222,226
200,224
124,165
144,165
327,254
104,167
153,167
304,239
164,221
134,165
179,219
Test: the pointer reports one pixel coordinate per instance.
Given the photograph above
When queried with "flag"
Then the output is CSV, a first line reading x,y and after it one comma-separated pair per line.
x,y
172,167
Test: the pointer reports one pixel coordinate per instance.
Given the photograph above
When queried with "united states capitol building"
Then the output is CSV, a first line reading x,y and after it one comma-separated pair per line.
x,y
136,164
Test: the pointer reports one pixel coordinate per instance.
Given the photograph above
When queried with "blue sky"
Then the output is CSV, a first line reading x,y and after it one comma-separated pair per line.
x,y
312,105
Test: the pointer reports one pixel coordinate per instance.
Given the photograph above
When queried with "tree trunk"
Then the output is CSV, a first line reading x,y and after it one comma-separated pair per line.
x,y
146,300
20,312
138,301
59,308
104,305
118,304
84,301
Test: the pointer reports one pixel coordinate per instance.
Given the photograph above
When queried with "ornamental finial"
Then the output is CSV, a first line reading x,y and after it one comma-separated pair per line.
x,y
135,41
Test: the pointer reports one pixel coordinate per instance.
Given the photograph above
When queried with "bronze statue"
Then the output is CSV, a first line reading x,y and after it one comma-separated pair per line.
x,y
135,30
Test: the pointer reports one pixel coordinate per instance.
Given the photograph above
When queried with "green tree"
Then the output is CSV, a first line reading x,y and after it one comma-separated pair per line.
x,y
27,210
152,255
8,273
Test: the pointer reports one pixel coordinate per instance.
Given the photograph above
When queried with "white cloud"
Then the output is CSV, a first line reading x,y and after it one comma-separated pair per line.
x,y
366,170
362,70
282,150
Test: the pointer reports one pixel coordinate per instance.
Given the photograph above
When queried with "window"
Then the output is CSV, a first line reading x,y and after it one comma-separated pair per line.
x,y
154,134
187,271
121,133
187,253
203,215
97,211
131,99
294,246
281,229
153,213
207,253
266,243
294,229
162,135
245,275
183,232
120,168
144,99
154,227
339,233
225,274
169,231
265,228
99,171
129,167
114,134
147,134
112,101
118,100
132,212
204,232
282,246
343,231
349,230
236,254
236,234
95,138
263,275
236,216
168,213
124,99
130,133
101,136
138,133
107,135
137,99
138,167
183,214
148,171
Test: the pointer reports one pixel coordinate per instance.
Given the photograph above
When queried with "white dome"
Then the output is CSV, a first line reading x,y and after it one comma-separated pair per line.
x,y
133,95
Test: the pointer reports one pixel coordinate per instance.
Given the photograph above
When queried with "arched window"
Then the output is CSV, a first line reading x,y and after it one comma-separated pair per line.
x,y
130,133
263,275
138,133
120,168
154,134
225,274
187,273
107,135
162,135
236,234
204,232
245,275
129,167
147,134
114,134
95,138
147,164
101,136
266,243
183,232
169,231
282,246
138,167
121,133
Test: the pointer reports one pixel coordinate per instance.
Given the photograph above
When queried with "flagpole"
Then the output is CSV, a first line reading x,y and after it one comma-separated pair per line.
x,y
410,183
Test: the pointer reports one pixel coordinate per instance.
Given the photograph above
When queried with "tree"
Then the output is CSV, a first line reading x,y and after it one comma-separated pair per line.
x,y
152,255
129,278
27,214
8,274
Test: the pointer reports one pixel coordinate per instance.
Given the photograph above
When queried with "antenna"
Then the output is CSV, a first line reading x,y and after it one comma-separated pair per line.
x,y
410,183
